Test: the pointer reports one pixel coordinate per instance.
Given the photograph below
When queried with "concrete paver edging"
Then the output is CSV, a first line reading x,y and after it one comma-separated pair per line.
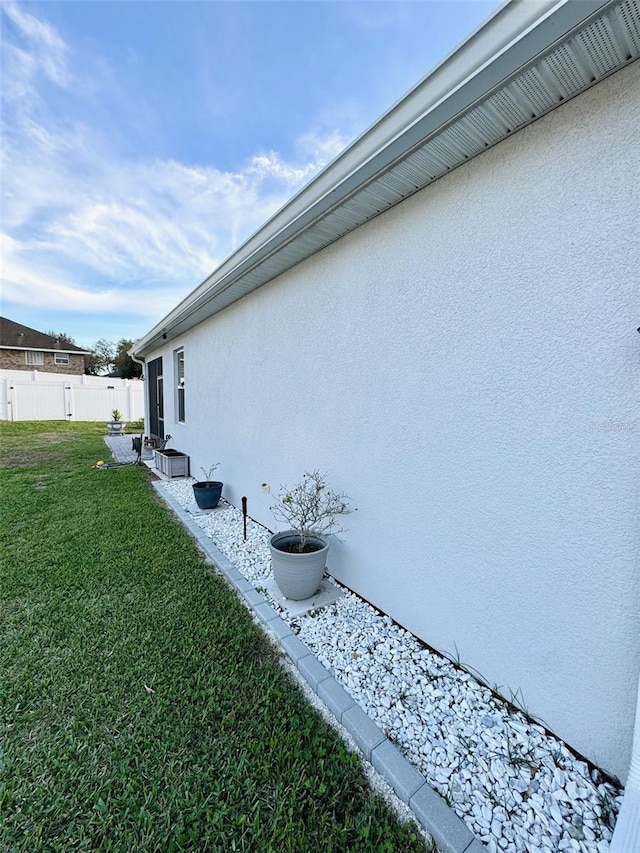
x,y
429,809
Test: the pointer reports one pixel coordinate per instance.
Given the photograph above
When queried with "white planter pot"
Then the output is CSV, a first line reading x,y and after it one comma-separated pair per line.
x,y
298,575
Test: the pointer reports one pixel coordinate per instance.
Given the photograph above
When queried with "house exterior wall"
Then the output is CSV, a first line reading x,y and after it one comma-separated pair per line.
x,y
16,360
465,366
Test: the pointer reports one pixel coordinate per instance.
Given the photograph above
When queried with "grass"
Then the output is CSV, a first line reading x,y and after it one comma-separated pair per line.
x,y
140,707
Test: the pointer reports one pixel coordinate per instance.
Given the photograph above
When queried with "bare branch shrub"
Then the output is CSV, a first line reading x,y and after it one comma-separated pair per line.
x,y
310,508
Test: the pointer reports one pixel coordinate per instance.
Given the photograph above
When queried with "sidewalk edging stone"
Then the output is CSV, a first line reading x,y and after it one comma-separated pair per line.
x,y
449,831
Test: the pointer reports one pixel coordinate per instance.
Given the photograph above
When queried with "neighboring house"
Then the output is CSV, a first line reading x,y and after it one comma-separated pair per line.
x,y
22,348
445,320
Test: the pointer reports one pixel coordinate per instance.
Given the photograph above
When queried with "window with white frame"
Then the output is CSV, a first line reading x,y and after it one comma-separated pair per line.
x,y
61,358
179,374
34,358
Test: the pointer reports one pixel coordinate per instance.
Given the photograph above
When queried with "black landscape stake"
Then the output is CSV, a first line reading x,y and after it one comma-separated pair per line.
x,y
244,517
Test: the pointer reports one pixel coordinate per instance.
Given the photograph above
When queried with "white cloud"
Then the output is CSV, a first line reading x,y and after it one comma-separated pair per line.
x,y
323,147
375,16
91,230
46,51
25,283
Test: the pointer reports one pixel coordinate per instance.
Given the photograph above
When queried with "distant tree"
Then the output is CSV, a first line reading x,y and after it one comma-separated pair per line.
x,y
64,339
91,364
124,366
102,358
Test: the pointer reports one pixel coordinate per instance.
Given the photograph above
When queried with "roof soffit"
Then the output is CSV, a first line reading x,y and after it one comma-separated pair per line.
x,y
572,48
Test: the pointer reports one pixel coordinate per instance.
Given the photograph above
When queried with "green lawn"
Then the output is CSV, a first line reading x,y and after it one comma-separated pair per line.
x,y
140,707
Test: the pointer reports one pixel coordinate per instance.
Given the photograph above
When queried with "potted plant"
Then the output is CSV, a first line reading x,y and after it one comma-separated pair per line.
x,y
116,424
207,492
299,554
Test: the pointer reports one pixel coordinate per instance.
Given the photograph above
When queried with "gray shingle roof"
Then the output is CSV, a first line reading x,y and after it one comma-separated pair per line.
x,y
16,336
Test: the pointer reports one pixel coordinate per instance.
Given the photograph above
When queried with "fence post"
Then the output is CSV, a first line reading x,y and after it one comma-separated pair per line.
x,y
4,399
70,401
12,399
130,399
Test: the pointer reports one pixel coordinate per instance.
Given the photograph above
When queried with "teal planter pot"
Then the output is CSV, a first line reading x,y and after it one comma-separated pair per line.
x,y
207,493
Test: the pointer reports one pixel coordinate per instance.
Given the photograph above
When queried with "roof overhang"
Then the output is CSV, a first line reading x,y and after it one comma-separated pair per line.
x,y
526,60
46,349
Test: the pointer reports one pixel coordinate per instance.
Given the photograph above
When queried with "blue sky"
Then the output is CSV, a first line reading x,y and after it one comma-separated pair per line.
x,y
142,142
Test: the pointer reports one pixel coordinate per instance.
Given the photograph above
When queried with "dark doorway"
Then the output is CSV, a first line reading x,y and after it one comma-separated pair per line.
x,y
156,398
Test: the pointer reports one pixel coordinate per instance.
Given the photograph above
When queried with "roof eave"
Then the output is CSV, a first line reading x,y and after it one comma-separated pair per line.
x,y
46,349
516,35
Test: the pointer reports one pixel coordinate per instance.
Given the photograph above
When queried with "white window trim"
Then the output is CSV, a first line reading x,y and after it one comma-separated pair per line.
x,y
61,358
178,357
34,358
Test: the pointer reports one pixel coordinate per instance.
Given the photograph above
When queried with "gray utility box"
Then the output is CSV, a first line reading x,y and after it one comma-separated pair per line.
x,y
172,463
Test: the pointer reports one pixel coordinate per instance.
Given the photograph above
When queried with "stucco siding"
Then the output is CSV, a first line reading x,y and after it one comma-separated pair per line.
x,y
466,368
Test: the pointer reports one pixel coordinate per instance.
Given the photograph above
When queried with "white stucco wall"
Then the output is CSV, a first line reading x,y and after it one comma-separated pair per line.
x,y
466,367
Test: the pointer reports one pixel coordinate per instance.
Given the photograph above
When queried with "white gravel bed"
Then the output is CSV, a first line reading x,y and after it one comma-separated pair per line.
x,y
516,787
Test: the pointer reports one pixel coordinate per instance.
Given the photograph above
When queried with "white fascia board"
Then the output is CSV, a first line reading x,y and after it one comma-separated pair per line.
x,y
44,349
515,36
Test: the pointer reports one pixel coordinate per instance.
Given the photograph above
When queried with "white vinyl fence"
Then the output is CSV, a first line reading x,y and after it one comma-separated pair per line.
x,y
34,396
